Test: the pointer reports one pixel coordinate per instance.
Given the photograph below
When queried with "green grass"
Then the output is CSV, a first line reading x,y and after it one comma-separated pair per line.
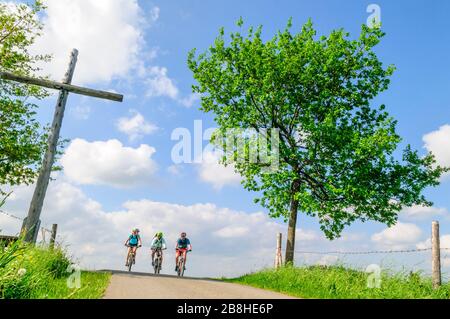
x,y
32,272
93,286
338,282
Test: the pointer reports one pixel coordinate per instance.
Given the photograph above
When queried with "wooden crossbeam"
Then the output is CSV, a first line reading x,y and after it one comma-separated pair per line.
x,y
30,226
61,86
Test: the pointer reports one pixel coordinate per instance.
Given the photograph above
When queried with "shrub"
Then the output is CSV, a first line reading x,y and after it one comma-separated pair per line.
x,y
25,268
58,263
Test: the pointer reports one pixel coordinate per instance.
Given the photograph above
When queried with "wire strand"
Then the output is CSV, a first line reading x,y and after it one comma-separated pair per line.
x,y
10,215
365,252
21,219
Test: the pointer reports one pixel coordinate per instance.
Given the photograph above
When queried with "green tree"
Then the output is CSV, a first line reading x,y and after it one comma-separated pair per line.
x,y
337,151
22,138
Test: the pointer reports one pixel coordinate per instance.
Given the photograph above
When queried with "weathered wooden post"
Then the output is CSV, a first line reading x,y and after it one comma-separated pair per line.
x,y
44,175
34,230
30,227
278,255
435,255
53,238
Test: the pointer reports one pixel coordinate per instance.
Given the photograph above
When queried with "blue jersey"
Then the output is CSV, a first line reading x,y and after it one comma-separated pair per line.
x,y
133,239
183,243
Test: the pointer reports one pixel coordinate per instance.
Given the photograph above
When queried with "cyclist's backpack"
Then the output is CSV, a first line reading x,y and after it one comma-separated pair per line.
x,y
134,239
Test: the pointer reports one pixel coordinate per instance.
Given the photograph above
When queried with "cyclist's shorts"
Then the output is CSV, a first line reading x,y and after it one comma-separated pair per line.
x,y
132,245
181,251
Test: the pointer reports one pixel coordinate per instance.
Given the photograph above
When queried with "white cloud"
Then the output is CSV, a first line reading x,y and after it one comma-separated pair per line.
x,y
108,163
422,212
135,126
174,169
190,100
307,235
225,242
159,84
232,232
81,112
154,14
445,262
444,241
108,35
438,142
327,260
398,237
216,174
110,38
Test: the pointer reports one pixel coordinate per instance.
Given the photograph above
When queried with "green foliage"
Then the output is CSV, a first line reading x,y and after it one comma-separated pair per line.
x,y
8,254
336,150
22,139
28,271
93,287
58,263
338,282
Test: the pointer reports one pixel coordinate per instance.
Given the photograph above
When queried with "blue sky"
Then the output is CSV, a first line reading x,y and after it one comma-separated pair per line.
x,y
418,96
156,83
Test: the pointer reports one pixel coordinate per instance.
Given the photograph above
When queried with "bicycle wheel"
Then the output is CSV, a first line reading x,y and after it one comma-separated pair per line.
x,y
180,267
130,261
156,267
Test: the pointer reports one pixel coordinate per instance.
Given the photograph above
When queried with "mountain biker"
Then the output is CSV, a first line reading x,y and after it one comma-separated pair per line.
x,y
133,242
158,242
182,247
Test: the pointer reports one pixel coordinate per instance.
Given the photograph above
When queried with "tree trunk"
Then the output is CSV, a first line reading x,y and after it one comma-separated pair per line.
x,y
292,226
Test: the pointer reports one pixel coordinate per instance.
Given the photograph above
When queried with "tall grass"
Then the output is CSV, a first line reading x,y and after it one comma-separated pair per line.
x,y
32,272
338,282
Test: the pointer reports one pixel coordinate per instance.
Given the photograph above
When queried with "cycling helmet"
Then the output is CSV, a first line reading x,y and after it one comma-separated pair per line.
x,y
159,235
183,234
136,230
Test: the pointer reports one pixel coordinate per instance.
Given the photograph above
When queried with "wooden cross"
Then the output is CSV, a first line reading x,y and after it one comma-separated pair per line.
x,y
30,226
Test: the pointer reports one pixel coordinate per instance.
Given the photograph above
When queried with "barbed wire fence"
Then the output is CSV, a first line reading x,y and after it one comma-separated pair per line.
x,y
374,252
44,230
387,259
439,256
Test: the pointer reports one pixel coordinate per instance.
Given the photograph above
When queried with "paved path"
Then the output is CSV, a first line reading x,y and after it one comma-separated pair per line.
x,y
145,286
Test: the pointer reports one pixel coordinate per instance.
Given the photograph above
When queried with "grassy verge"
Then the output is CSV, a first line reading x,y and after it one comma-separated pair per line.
x,y
342,283
30,272
93,286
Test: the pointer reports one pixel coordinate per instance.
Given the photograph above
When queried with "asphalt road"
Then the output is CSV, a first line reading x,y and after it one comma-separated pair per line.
x,y
125,285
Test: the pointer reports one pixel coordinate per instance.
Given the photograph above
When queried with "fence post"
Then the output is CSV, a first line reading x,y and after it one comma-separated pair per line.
x,y
24,230
278,256
435,255
53,238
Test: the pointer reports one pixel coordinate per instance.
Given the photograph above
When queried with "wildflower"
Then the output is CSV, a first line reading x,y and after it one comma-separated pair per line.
x,y
22,272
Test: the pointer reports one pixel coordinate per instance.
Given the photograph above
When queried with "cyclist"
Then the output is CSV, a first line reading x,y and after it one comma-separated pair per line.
x,y
158,242
133,242
182,247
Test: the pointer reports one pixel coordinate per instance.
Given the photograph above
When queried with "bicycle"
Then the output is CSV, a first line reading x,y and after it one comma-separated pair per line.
x,y
181,265
157,265
131,260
